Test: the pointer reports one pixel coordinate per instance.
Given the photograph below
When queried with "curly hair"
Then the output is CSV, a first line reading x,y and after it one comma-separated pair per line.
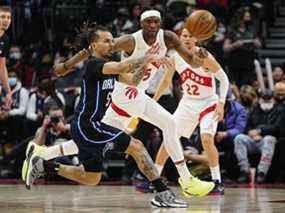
x,y
86,34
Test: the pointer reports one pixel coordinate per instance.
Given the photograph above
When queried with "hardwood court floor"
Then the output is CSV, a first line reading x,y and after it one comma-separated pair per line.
x,y
120,199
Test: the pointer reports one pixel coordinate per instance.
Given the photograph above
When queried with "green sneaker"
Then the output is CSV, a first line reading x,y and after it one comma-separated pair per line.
x,y
196,187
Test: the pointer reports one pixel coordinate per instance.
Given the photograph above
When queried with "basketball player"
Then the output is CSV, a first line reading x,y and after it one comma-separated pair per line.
x,y
199,105
130,101
5,21
93,137
129,98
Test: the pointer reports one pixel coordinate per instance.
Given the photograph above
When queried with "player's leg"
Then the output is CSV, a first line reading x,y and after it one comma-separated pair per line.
x,y
79,174
164,197
208,127
47,153
161,158
158,116
186,122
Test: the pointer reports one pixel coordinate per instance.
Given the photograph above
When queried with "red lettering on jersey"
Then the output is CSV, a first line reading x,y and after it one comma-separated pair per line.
x,y
147,73
156,64
192,89
190,74
131,92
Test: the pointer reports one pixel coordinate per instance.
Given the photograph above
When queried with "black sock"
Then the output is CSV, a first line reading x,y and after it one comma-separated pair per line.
x,y
159,186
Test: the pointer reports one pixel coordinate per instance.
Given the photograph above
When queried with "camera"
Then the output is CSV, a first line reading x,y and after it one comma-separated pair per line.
x,y
53,120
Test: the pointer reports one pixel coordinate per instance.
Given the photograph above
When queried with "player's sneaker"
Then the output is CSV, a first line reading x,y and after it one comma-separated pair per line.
x,y
29,151
31,148
219,189
35,169
196,187
167,199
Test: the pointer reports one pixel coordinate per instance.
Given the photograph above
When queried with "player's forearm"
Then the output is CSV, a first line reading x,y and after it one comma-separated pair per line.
x,y
138,75
66,67
126,66
224,84
162,86
78,57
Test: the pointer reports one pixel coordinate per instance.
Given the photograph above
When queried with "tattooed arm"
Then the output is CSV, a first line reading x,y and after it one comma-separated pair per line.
x,y
172,42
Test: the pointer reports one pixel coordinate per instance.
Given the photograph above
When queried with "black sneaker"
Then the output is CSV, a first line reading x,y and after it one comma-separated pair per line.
x,y
167,199
219,189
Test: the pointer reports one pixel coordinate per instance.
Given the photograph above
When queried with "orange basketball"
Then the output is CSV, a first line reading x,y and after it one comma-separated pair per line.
x,y
201,24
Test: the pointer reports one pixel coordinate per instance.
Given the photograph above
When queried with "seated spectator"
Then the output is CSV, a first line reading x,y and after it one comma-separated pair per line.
x,y
56,131
248,97
241,44
234,123
36,102
12,119
278,74
260,137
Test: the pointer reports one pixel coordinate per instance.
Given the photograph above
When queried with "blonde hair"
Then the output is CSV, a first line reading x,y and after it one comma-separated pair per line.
x,y
248,90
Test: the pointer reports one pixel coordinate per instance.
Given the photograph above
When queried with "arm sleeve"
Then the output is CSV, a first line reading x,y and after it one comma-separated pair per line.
x,y
31,110
224,84
24,96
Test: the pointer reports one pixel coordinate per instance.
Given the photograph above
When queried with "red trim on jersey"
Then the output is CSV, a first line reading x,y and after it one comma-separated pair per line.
x,y
119,111
206,111
190,74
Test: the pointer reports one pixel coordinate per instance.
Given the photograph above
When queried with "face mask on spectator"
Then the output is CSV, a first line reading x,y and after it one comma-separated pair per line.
x,y
15,55
12,81
266,106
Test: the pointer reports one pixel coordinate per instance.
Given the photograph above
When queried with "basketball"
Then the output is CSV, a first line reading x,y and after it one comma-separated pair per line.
x,y
201,24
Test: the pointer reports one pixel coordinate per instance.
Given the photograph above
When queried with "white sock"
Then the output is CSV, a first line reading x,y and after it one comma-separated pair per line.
x,y
64,149
159,168
215,173
183,171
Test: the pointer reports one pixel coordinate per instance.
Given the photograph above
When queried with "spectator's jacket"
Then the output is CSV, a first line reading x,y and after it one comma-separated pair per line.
x,y
258,117
275,122
20,96
235,119
35,105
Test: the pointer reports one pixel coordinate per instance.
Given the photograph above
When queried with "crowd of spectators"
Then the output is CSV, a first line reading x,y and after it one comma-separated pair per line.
x,y
40,37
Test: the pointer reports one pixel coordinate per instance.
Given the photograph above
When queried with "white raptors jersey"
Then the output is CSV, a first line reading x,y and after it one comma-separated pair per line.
x,y
196,82
141,48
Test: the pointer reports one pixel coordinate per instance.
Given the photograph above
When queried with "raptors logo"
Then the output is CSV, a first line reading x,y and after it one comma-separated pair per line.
x,y
131,92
